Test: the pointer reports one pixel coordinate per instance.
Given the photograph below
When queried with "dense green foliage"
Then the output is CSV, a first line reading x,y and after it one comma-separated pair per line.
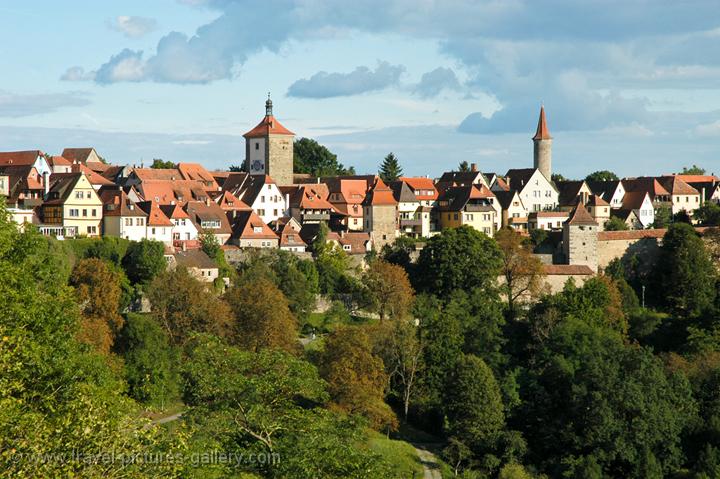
x,y
616,224
316,160
602,175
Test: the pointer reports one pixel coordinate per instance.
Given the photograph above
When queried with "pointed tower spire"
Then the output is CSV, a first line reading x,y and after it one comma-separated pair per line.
x,y
542,132
268,106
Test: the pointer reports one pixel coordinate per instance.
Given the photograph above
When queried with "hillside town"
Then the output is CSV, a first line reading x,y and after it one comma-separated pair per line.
x,y
78,194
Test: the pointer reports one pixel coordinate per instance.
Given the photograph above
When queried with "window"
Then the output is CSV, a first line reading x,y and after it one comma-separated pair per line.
x,y
346,247
261,212
153,230
262,199
88,194
74,212
355,221
93,212
456,216
257,229
78,194
257,146
84,212
140,221
275,212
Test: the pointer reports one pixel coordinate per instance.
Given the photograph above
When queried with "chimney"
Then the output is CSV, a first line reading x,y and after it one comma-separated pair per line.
x,y
473,167
46,182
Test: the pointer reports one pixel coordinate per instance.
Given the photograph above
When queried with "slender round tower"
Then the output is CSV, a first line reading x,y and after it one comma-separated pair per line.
x,y
542,147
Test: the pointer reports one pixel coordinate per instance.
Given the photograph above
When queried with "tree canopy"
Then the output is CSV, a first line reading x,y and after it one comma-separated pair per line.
x,y
602,175
315,159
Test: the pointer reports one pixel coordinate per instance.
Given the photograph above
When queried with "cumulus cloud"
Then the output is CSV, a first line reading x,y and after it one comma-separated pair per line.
x,y
435,81
133,27
519,52
77,73
19,105
360,80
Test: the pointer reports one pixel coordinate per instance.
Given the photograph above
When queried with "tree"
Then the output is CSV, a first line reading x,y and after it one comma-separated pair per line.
x,y
538,236
399,346
588,391
458,258
602,175
522,270
684,272
331,261
316,160
558,177
98,291
149,361
693,170
356,377
56,396
390,169
183,305
398,252
663,217
237,168
262,317
615,224
209,243
464,166
389,288
474,406
144,260
708,214
159,163
269,402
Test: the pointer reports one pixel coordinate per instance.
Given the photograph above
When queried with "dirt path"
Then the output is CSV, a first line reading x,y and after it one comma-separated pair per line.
x,y
429,462
163,420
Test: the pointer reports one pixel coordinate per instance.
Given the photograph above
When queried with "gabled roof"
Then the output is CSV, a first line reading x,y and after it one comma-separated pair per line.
x,y
459,178
289,230
402,192
117,203
174,212
676,186
245,224
77,154
645,183
61,185
458,197
229,202
501,184
542,132
94,178
310,197
352,190
624,214
708,188
605,189
697,178
421,185
197,172
505,198
268,126
200,211
581,216
379,195
568,191
633,200
156,217
519,177
27,157
21,178
250,188
357,241
595,200
58,161
167,174
194,258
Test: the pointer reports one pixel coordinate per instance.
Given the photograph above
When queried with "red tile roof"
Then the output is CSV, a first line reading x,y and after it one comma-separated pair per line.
x,y
59,161
379,194
195,171
245,223
595,200
630,234
19,157
155,215
676,186
230,202
633,200
542,132
567,269
268,126
421,184
580,216
94,178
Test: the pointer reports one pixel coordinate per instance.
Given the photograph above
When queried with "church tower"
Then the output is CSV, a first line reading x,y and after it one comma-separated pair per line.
x,y
269,149
542,147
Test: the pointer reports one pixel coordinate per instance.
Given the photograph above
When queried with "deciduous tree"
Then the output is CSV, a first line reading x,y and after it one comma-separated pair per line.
x,y
458,258
98,292
522,271
356,377
144,260
602,175
262,317
389,288
183,305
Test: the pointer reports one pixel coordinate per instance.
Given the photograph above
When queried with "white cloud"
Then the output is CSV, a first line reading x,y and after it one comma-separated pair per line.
x,y
360,80
133,27
77,73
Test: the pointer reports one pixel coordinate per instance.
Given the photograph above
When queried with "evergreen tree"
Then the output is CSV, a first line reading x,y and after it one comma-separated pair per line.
x,y
464,166
390,170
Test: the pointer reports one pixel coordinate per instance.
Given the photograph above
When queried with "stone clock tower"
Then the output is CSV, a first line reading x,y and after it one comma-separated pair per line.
x,y
269,149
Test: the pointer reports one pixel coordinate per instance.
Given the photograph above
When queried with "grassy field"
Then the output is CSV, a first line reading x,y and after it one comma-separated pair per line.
x,y
400,454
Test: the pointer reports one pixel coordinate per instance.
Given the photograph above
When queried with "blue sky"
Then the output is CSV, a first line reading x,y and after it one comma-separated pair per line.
x,y
630,86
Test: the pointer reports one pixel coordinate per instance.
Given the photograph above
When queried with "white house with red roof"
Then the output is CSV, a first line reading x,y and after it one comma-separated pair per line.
x,y
159,226
121,216
250,231
184,230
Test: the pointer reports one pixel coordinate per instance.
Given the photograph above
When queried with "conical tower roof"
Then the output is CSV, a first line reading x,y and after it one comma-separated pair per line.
x,y
542,132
